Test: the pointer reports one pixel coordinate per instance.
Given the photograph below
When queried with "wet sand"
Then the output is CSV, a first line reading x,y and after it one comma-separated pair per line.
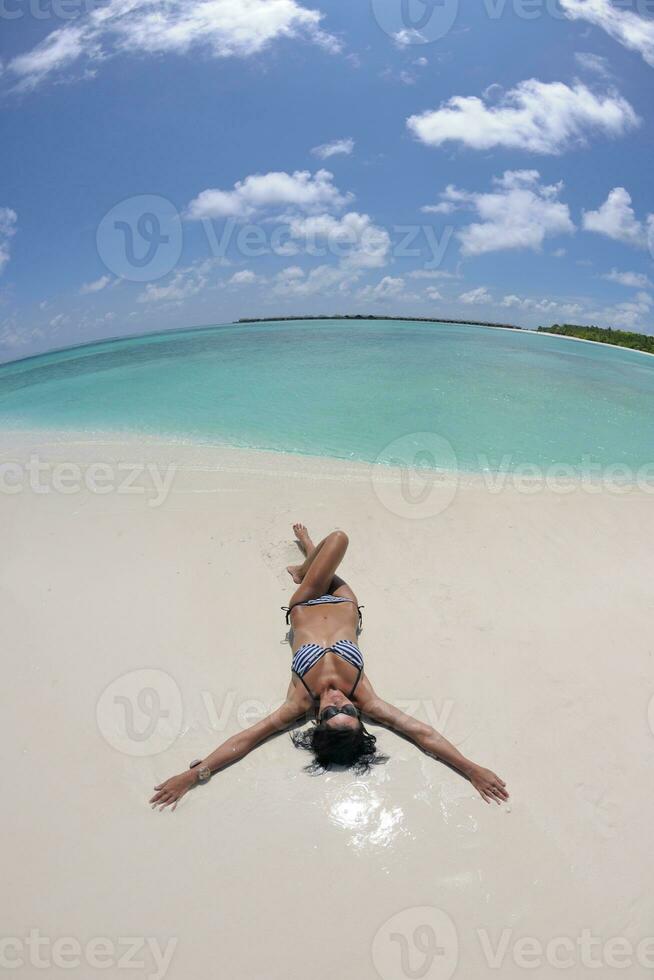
x,y
138,637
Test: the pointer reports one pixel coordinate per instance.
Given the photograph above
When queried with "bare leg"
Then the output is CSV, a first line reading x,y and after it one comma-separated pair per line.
x,y
316,573
297,572
308,548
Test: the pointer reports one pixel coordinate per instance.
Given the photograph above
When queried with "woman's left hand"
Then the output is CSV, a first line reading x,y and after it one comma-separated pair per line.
x,y
173,789
489,786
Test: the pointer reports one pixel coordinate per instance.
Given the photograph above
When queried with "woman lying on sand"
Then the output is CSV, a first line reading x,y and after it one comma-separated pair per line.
x,y
329,686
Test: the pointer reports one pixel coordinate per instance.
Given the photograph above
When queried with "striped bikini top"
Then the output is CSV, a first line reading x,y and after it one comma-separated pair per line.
x,y
308,655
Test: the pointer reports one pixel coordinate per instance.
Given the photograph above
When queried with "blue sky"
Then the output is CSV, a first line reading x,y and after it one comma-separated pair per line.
x,y
168,164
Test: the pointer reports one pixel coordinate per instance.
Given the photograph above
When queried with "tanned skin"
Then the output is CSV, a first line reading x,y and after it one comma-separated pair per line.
x,y
328,680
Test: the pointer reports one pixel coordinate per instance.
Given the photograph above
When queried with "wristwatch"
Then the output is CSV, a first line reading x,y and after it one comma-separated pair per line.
x,y
204,772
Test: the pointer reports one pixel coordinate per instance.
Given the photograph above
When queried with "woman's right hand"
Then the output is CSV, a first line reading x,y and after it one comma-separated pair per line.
x,y
490,787
172,790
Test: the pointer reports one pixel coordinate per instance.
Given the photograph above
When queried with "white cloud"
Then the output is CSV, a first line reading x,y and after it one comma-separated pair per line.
x,y
303,204
594,63
553,307
519,213
13,337
432,274
635,313
616,219
245,277
336,147
259,192
96,286
626,26
408,36
629,316
222,28
387,288
354,238
433,293
290,273
57,51
635,280
323,279
8,219
476,296
59,320
541,117
445,207
184,283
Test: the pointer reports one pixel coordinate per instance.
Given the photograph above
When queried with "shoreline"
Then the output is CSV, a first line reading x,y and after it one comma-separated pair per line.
x,y
199,455
414,493
584,340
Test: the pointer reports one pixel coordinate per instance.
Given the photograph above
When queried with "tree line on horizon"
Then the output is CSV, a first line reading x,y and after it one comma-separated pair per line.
x,y
603,335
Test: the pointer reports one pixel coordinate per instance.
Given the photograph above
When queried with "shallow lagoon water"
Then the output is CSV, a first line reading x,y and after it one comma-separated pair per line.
x,y
499,398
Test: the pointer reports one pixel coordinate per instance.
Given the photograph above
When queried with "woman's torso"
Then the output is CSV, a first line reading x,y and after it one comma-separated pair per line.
x,y
324,625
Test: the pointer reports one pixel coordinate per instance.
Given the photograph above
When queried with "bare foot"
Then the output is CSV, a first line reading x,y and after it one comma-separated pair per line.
x,y
295,573
303,538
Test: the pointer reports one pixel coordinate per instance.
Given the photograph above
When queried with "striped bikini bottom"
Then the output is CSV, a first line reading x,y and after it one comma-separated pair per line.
x,y
320,601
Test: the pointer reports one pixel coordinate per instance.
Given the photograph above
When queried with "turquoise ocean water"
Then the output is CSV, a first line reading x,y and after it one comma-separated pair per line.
x,y
349,389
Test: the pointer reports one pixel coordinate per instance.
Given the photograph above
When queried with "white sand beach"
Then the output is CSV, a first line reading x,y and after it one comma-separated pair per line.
x,y
138,637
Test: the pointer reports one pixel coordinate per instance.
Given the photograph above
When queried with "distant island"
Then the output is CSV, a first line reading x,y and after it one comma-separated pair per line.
x,y
603,335
600,335
373,316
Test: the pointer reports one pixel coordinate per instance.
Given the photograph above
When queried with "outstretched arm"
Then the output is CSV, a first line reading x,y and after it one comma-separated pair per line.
x,y
488,785
172,790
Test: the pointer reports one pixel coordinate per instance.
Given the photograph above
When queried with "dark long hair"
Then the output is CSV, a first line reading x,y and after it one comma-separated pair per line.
x,y
345,747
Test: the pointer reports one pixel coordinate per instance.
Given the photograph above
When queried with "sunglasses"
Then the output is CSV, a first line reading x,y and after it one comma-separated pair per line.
x,y
332,711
